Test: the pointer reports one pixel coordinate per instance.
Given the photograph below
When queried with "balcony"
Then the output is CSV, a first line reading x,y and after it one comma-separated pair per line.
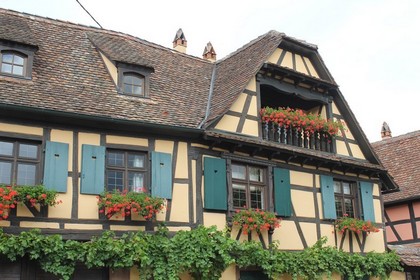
x,y
298,128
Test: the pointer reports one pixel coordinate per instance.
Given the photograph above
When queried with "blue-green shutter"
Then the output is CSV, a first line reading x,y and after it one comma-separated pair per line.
x,y
215,187
328,199
56,166
367,201
161,175
282,195
92,179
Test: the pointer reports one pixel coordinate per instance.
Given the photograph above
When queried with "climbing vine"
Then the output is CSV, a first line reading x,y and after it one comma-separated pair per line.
x,y
203,252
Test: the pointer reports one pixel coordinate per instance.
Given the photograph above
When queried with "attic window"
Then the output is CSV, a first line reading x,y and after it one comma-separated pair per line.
x,y
133,84
133,80
13,63
16,60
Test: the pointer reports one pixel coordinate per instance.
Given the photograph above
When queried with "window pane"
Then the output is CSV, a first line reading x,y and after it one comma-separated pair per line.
x,y
348,204
239,196
337,187
115,159
135,160
136,181
238,172
256,194
137,81
339,207
26,174
256,174
6,68
115,180
137,90
346,188
28,151
17,70
128,79
5,172
18,60
6,148
8,58
128,89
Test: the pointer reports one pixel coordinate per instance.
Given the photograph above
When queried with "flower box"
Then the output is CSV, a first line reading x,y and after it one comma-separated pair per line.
x,y
255,220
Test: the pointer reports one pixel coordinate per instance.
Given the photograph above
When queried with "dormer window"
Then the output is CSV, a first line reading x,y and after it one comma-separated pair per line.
x,y
133,84
16,60
133,80
13,63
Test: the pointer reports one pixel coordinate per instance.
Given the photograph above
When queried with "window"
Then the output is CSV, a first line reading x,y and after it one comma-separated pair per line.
x,y
13,63
19,162
345,198
126,170
133,84
248,186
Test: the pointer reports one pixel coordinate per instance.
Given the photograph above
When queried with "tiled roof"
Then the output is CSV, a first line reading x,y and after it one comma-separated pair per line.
x,y
401,157
69,74
409,254
234,71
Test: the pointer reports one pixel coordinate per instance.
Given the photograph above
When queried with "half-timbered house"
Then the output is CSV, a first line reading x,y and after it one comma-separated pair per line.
x,y
83,110
400,156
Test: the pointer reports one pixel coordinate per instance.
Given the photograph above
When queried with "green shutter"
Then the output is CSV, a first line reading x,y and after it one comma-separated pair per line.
x,y
367,201
215,187
161,175
328,199
282,195
56,166
93,169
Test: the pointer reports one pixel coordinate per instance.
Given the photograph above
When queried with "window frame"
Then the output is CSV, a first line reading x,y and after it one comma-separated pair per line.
x,y
15,159
264,184
128,69
27,52
145,170
354,196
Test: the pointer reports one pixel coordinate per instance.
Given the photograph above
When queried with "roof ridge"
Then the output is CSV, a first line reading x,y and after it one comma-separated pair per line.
x,y
397,138
97,29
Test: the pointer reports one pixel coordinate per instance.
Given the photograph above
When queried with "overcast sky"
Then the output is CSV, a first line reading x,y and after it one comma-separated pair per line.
x,y
371,47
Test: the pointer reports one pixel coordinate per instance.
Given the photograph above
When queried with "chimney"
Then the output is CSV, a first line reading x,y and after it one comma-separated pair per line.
x,y
209,53
180,42
385,131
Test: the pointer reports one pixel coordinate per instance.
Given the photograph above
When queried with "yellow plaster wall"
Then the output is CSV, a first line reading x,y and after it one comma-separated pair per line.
x,y
23,211
253,110
274,57
214,219
252,85
378,210
127,228
341,148
199,146
250,128
303,203
134,273
4,223
355,149
180,209
335,109
300,67
194,187
63,210
164,146
122,140
31,130
397,275
27,224
375,190
228,123
320,205
112,69
287,60
328,232
229,273
375,242
309,232
181,168
238,105
288,236
301,178
83,226
311,67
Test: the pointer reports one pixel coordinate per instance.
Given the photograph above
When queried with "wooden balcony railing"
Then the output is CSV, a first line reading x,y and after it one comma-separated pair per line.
x,y
319,141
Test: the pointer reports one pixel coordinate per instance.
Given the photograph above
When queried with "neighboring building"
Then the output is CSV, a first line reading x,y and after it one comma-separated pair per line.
x,y
401,157
83,110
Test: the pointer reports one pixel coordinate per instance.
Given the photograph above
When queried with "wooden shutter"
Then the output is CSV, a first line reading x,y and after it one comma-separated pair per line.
x,y
215,187
93,169
282,195
367,201
328,199
56,166
161,175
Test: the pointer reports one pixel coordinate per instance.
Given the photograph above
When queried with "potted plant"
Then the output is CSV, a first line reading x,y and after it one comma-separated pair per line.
x,y
355,225
255,220
125,203
7,201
